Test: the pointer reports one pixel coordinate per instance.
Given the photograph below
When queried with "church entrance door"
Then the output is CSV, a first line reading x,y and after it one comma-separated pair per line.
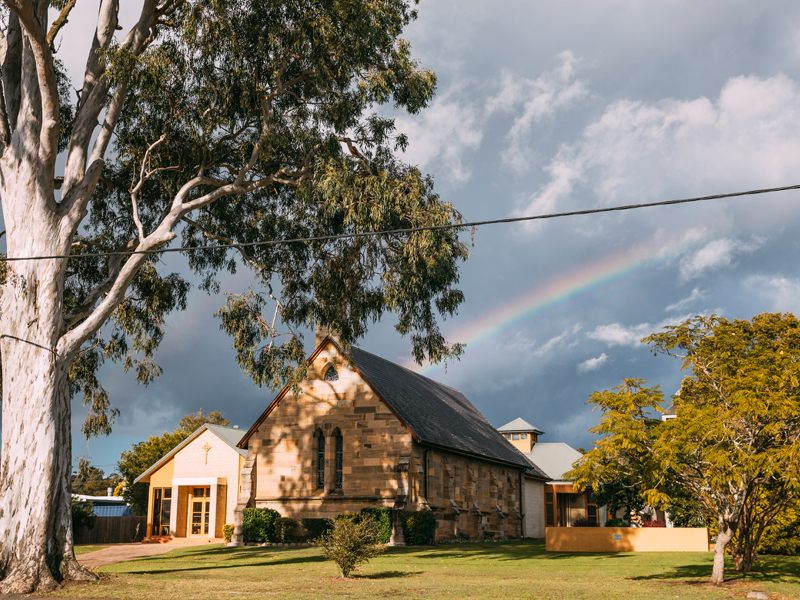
x,y
199,511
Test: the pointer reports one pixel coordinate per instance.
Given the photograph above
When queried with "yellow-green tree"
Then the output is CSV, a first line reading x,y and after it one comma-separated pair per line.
x,y
734,446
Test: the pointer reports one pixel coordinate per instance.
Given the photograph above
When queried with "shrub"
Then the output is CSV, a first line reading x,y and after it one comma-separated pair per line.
x,y
383,522
350,541
258,524
314,528
227,532
284,529
616,523
419,528
654,523
82,514
584,522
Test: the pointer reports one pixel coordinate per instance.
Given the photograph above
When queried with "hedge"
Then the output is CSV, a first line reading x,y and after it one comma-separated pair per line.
x,y
419,528
284,529
383,519
258,524
315,527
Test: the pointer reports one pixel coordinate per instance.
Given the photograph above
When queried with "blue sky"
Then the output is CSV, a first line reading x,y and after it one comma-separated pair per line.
x,y
555,106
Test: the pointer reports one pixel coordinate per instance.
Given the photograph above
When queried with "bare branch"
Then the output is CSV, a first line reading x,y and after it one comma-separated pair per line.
x,y
144,175
59,23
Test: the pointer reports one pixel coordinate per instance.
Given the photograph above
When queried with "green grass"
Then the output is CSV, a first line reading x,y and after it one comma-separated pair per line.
x,y
86,549
493,570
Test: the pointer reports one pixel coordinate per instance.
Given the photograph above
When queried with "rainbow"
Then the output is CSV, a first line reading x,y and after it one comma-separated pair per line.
x,y
565,289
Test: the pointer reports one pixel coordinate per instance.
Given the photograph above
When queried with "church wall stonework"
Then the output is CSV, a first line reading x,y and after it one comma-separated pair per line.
x,y
382,464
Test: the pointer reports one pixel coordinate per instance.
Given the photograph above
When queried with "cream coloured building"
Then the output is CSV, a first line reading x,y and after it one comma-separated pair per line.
x,y
193,488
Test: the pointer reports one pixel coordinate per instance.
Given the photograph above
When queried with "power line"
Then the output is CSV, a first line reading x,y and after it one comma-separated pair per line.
x,y
324,238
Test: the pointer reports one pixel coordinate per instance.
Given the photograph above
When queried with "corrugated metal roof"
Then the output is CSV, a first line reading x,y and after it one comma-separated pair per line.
x,y
112,511
555,459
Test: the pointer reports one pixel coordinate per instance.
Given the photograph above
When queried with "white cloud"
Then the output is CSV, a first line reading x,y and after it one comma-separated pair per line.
x,y
592,364
680,304
616,334
715,255
782,293
443,133
744,137
539,98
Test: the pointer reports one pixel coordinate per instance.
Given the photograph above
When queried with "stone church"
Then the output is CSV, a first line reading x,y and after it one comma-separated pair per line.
x,y
370,433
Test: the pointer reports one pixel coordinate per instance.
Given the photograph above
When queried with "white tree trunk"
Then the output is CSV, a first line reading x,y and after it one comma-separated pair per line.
x,y
35,514
723,537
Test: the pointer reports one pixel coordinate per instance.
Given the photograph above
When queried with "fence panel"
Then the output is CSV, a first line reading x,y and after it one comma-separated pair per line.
x,y
112,530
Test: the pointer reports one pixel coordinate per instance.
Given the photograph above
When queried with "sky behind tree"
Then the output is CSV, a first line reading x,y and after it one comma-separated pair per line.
x,y
549,107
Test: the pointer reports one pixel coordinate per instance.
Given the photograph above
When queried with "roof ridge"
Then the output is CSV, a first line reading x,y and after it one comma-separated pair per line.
x,y
409,370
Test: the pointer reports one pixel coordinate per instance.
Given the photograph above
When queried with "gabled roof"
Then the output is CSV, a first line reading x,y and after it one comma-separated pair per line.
x,y
435,414
229,435
519,425
555,459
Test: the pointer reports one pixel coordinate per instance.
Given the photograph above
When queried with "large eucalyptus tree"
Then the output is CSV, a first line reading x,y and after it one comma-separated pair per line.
x,y
216,122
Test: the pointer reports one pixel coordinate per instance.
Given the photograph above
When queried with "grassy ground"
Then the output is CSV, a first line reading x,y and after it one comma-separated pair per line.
x,y
86,549
493,570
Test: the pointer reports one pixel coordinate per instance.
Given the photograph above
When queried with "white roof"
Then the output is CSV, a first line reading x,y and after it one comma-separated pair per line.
x,y
519,425
554,459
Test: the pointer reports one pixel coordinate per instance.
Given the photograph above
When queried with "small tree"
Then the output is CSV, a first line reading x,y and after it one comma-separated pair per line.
x,y
191,423
735,446
351,541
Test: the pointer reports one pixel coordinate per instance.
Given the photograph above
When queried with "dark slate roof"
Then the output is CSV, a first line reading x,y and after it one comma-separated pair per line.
x,y
438,414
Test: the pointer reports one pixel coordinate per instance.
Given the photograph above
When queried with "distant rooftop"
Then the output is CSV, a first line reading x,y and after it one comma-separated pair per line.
x,y
519,425
554,459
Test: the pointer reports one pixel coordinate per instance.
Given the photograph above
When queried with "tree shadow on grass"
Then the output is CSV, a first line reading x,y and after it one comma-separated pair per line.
x,y
513,551
767,569
386,575
233,565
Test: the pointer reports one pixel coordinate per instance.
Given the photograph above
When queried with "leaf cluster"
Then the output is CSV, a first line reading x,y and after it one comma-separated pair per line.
x,y
264,113
351,540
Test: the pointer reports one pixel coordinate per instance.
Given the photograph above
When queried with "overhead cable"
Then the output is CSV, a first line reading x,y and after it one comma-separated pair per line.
x,y
472,224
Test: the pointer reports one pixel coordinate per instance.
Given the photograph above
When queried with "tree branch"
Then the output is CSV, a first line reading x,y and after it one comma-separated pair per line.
x,y
59,23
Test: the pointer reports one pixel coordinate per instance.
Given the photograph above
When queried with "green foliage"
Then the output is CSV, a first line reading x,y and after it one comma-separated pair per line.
x,y
622,494
259,524
82,514
419,528
782,534
732,448
227,533
315,528
351,540
584,522
616,523
383,522
284,529
91,481
193,422
267,115
685,511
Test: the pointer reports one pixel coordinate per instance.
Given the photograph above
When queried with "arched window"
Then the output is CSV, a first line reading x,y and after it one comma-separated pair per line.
x,y
332,374
320,461
339,461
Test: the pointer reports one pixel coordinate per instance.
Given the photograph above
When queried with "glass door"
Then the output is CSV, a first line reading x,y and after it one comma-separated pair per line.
x,y
199,507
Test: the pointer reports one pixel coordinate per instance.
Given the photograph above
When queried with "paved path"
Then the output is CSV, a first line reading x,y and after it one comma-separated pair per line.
x,y
117,553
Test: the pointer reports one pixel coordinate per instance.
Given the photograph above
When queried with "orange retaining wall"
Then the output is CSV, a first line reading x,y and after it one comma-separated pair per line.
x,y
624,539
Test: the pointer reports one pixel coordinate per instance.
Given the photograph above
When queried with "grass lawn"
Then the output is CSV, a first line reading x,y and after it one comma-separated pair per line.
x,y
86,549
492,570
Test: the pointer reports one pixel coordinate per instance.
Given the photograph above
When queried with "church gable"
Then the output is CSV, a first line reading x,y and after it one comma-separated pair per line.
x,y
335,437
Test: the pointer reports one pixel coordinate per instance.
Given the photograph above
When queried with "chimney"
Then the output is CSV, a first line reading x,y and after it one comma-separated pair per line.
x,y
320,333
236,427
109,491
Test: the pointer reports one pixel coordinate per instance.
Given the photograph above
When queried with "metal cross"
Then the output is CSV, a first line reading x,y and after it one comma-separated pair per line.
x,y
206,448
